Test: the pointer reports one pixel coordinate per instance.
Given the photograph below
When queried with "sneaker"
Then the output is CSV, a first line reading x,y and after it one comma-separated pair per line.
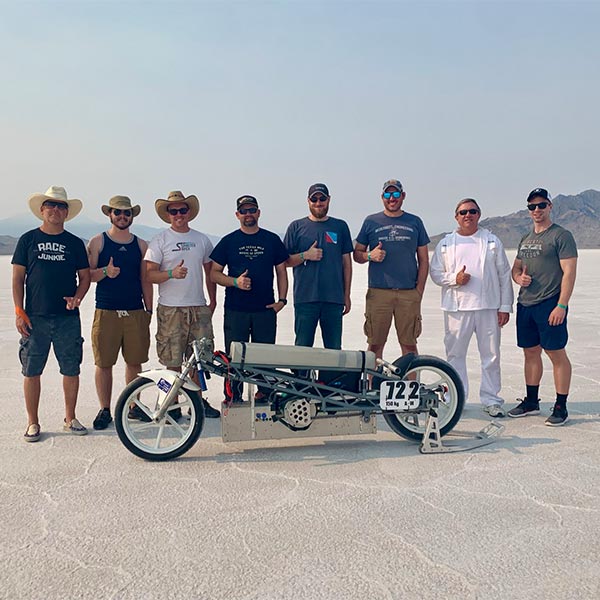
x,y
33,433
209,411
136,413
494,410
175,414
103,419
524,409
75,427
558,417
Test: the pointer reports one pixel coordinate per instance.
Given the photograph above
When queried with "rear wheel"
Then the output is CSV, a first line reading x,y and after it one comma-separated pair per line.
x,y
172,436
430,372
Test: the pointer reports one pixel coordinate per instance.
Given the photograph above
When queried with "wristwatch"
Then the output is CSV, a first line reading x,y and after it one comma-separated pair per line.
x,y
283,301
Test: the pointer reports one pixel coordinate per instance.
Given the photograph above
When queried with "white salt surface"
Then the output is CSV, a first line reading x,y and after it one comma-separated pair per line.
x,y
362,517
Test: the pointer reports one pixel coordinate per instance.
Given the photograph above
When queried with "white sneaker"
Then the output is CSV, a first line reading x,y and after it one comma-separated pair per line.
x,y
494,410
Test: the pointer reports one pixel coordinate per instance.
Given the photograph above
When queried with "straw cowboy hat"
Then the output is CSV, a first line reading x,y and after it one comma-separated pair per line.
x,y
122,202
55,192
162,205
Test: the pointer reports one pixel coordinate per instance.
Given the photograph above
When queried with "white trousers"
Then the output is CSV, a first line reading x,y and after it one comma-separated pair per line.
x,y
460,326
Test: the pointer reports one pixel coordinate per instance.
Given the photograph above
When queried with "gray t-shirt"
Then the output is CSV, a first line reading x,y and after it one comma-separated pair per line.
x,y
541,253
400,236
322,280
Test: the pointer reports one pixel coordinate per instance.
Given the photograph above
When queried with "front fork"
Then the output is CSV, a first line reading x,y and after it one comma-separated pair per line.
x,y
181,378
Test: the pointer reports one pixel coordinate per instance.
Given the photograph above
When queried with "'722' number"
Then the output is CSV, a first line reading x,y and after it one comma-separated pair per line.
x,y
399,394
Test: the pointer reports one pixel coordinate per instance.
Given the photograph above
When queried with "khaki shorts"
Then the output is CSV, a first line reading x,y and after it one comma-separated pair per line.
x,y
403,305
177,327
125,330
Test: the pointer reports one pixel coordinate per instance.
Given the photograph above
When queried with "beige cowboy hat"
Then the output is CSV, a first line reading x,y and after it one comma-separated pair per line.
x,y
122,202
173,197
55,192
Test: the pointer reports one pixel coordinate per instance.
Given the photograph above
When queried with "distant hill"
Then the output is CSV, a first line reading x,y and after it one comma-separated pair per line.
x,y
579,214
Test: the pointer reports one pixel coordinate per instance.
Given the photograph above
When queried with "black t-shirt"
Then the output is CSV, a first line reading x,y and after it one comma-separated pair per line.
x,y
51,263
259,253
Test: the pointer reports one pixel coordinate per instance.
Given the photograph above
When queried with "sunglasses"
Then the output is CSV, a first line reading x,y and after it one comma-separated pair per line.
x,y
248,211
540,205
388,195
314,199
468,211
118,211
184,210
52,204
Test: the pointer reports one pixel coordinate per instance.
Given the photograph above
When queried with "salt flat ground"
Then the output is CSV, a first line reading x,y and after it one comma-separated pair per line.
x,y
356,517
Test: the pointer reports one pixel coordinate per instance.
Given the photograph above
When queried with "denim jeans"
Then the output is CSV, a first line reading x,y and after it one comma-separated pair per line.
x,y
307,315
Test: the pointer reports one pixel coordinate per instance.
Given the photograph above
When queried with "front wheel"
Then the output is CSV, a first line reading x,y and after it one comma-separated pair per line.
x,y
175,434
430,372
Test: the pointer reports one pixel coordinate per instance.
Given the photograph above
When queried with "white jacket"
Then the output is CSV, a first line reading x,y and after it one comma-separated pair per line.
x,y
497,290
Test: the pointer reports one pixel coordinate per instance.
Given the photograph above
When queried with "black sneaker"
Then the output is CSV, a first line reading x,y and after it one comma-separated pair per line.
x,y
524,409
175,414
558,417
209,411
136,413
103,419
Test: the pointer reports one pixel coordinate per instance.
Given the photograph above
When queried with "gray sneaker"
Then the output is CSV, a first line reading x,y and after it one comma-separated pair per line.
x,y
494,410
558,417
524,409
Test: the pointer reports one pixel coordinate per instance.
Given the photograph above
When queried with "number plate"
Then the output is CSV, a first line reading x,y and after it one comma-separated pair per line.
x,y
398,394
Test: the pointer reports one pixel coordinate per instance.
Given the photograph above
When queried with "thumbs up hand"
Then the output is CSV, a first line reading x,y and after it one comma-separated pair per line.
x,y
378,253
525,279
111,270
462,277
244,282
179,272
313,253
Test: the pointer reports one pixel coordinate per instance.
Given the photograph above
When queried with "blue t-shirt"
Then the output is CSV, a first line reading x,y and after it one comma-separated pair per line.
x,y
322,280
51,263
258,253
400,236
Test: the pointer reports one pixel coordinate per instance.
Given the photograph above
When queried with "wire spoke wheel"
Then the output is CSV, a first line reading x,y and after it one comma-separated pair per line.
x,y
432,373
172,436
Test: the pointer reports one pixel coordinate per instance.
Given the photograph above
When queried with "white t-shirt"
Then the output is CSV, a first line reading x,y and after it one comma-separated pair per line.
x,y
469,252
168,249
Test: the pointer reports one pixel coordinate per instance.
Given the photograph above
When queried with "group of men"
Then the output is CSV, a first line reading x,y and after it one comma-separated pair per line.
x,y
52,272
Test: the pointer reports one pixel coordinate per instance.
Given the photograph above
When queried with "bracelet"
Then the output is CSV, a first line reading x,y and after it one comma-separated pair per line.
x,y
563,306
170,274
104,272
302,256
368,256
235,282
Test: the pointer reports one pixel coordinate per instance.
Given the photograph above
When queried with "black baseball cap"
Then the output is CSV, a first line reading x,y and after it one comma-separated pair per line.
x,y
246,200
539,193
320,188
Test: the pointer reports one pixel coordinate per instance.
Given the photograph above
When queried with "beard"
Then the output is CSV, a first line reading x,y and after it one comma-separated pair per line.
x,y
250,221
120,223
319,211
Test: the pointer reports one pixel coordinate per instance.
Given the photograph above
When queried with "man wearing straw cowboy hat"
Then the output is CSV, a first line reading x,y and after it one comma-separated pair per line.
x,y
178,260
50,278
123,301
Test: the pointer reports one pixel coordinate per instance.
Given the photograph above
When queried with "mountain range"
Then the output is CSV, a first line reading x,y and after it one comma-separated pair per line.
x,y
580,214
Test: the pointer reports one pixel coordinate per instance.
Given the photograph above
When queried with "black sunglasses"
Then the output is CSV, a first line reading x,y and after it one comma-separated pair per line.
x,y
540,205
52,204
248,211
314,199
184,210
468,211
118,211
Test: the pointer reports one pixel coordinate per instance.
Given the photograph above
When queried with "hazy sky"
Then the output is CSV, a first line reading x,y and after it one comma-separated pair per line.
x,y
481,99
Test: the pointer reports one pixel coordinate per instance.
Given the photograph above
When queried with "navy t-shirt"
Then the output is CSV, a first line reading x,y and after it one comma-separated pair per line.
x,y
319,280
51,263
258,253
400,238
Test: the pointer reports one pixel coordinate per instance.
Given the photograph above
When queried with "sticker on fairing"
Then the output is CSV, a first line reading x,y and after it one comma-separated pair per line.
x,y
163,385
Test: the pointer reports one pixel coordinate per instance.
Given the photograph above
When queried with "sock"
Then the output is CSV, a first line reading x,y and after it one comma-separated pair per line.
x,y
532,393
561,399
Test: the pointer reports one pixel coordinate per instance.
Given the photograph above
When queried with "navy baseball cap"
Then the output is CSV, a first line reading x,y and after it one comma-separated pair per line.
x,y
393,183
539,193
246,200
320,188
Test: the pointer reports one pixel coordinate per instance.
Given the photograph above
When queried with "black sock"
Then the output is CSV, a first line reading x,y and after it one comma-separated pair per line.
x,y
561,399
532,393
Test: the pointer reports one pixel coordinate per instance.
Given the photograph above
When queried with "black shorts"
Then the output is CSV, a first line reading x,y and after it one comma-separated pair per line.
x,y
533,328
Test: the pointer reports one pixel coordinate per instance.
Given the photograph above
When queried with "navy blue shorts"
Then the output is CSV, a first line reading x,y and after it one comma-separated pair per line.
x,y
533,328
64,333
